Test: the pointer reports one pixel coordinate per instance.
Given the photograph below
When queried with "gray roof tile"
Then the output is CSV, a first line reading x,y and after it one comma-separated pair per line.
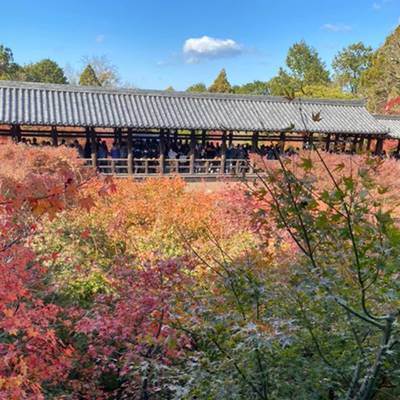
x,y
66,105
392,122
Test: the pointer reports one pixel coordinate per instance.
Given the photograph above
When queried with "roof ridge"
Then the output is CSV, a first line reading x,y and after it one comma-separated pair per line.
x,y
387,116
164,93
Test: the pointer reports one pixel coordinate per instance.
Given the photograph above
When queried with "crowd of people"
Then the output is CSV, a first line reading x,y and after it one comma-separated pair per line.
x,y
179,149
175,149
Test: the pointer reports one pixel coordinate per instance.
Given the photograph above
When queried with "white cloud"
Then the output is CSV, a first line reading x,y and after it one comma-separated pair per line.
x,y
336,27
100,38
205,47
377,5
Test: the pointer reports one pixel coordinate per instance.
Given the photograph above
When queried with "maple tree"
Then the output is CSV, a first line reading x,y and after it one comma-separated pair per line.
x,y
150,290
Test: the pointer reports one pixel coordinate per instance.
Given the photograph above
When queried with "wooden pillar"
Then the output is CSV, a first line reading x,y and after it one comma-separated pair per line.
x,y
192,150
203,137
379,146
54,136
369,140
230,139
162,152
336,144
18,133
223,153
130,150
15,133
93,146
118,136
328,142
254,142
282,139
361,144
354,144
311,141
398,149
305,141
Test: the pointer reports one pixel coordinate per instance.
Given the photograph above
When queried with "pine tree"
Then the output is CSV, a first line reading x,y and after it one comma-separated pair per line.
x,y
88,77
44,71
221,84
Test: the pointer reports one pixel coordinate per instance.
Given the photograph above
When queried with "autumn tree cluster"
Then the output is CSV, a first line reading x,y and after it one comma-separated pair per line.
x,y
149,290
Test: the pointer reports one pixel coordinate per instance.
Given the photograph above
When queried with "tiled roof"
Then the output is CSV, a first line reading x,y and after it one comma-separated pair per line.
x,y
392,122
65,105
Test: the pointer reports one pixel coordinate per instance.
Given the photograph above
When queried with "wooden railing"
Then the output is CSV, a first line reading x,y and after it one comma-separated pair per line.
x,y
157,166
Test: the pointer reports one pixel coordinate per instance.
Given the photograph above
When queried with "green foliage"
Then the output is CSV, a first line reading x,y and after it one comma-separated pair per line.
x,y
307,75
283,84
323,92
256,88
197,88
8,68
88,77
306,65
350,63
380,82
343,285
44,71
221,84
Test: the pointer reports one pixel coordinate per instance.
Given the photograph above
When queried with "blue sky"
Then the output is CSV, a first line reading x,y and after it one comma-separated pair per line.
x,y
158,43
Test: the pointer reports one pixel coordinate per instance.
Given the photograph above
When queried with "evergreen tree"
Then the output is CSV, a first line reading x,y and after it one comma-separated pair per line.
x,y
44,71
88,77
221,84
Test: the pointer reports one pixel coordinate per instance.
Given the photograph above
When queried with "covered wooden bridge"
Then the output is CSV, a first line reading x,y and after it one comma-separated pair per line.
x,y
137,118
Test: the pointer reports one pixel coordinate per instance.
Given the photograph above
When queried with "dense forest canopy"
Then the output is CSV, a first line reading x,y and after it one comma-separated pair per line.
x,y
356,71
